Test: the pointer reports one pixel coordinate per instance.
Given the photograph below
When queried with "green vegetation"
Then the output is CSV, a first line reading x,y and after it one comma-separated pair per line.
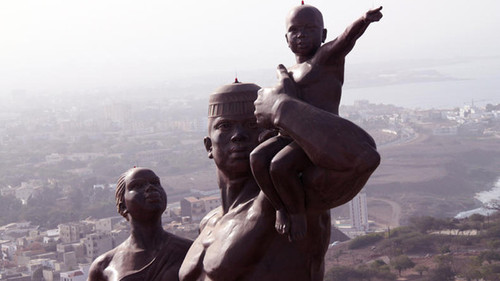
x,y
364,241
374,272
401,263
428,249
52,206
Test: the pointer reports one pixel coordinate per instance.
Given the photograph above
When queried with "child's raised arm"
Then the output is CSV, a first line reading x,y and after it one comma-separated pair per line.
x,y
342,45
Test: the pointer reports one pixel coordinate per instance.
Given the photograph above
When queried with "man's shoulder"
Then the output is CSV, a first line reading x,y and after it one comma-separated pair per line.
x,y
211,218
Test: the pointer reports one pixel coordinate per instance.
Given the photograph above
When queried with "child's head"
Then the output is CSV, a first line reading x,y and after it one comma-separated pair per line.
x,y
304,30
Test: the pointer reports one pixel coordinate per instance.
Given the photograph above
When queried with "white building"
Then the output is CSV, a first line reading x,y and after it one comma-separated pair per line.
x,y
97,244
358,212
80,274
52,235
8,249
106,225
197,208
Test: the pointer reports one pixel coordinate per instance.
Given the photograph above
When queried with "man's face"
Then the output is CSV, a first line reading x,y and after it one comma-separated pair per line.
x,y
230,141
144,196
305,32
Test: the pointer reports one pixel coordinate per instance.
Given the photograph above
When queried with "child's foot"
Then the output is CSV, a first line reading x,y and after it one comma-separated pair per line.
x,y
298,228
282,224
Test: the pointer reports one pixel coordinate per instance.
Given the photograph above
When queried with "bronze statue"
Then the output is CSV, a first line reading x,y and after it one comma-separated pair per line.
x,y
238,241
150,253
319,73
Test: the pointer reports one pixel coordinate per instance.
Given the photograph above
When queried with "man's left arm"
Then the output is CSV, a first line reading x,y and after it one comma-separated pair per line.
x,y
344,153
330,141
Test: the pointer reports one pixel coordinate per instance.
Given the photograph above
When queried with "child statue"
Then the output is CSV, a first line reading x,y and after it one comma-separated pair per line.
x,y
278,162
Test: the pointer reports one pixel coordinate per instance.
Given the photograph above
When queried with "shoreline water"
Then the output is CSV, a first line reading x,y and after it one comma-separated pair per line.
x,y
485,197
472,81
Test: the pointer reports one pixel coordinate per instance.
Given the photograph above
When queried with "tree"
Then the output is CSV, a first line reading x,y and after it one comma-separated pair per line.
x,y
472,272
442,273
490,256
401,263
341,273
423,224
364,241
420,268
444,249
477,218
9,209
491,272
337,254
344,273
477,221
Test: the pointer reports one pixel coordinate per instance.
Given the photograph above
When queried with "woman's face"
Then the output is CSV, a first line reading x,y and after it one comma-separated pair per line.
x,y
144,196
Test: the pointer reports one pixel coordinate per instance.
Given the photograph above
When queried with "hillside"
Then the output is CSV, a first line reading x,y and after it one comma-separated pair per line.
x,y
432,175
428,249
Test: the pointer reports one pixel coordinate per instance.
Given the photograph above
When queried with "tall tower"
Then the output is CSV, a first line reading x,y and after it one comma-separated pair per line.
x,y
359,212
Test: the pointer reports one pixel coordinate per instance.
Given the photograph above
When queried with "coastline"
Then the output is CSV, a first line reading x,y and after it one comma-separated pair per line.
x,y
485,197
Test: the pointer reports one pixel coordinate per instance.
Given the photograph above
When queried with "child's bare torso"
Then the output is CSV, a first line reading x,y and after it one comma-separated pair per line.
x,y
320,84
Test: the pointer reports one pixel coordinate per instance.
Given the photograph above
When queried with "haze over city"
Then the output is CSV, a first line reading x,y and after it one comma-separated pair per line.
x,y
62,46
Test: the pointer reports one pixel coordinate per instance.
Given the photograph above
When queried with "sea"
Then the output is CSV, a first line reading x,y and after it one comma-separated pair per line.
x,y
472,81
485,197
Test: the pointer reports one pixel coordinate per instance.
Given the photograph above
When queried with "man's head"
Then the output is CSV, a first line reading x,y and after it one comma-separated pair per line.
x,y
304,30
140,194
232,128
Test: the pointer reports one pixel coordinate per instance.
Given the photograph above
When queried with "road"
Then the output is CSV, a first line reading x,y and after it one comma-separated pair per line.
x,y
393,220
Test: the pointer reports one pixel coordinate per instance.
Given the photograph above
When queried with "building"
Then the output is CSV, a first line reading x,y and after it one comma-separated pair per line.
x,y
70,254
73,232
97,244
358,212
52,235
8,249
80,274
119,235
197,208
107,224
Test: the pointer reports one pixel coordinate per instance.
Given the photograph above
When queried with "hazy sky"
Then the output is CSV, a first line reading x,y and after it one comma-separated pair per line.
x,y
71,44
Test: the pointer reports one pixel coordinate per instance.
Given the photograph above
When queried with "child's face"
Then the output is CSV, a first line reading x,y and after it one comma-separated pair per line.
x,y
305,32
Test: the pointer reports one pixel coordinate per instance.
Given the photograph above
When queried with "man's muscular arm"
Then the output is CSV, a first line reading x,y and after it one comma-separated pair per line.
x,y
342,45
331,142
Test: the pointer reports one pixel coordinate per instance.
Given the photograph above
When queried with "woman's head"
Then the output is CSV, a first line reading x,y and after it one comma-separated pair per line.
x,y
139,190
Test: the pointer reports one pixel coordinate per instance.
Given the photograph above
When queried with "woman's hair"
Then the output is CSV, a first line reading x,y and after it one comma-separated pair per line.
x,y
120,193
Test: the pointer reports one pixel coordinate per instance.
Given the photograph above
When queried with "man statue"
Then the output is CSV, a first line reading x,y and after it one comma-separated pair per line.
x,y
150,253
238,241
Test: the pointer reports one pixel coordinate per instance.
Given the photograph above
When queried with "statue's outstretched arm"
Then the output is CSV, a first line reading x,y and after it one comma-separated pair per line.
x,y
343,44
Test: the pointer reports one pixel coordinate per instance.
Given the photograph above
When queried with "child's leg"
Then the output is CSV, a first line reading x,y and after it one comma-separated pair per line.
x,y
260,161
285,169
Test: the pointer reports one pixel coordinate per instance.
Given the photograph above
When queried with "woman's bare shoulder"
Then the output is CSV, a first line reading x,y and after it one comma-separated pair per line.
x,y
99,265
